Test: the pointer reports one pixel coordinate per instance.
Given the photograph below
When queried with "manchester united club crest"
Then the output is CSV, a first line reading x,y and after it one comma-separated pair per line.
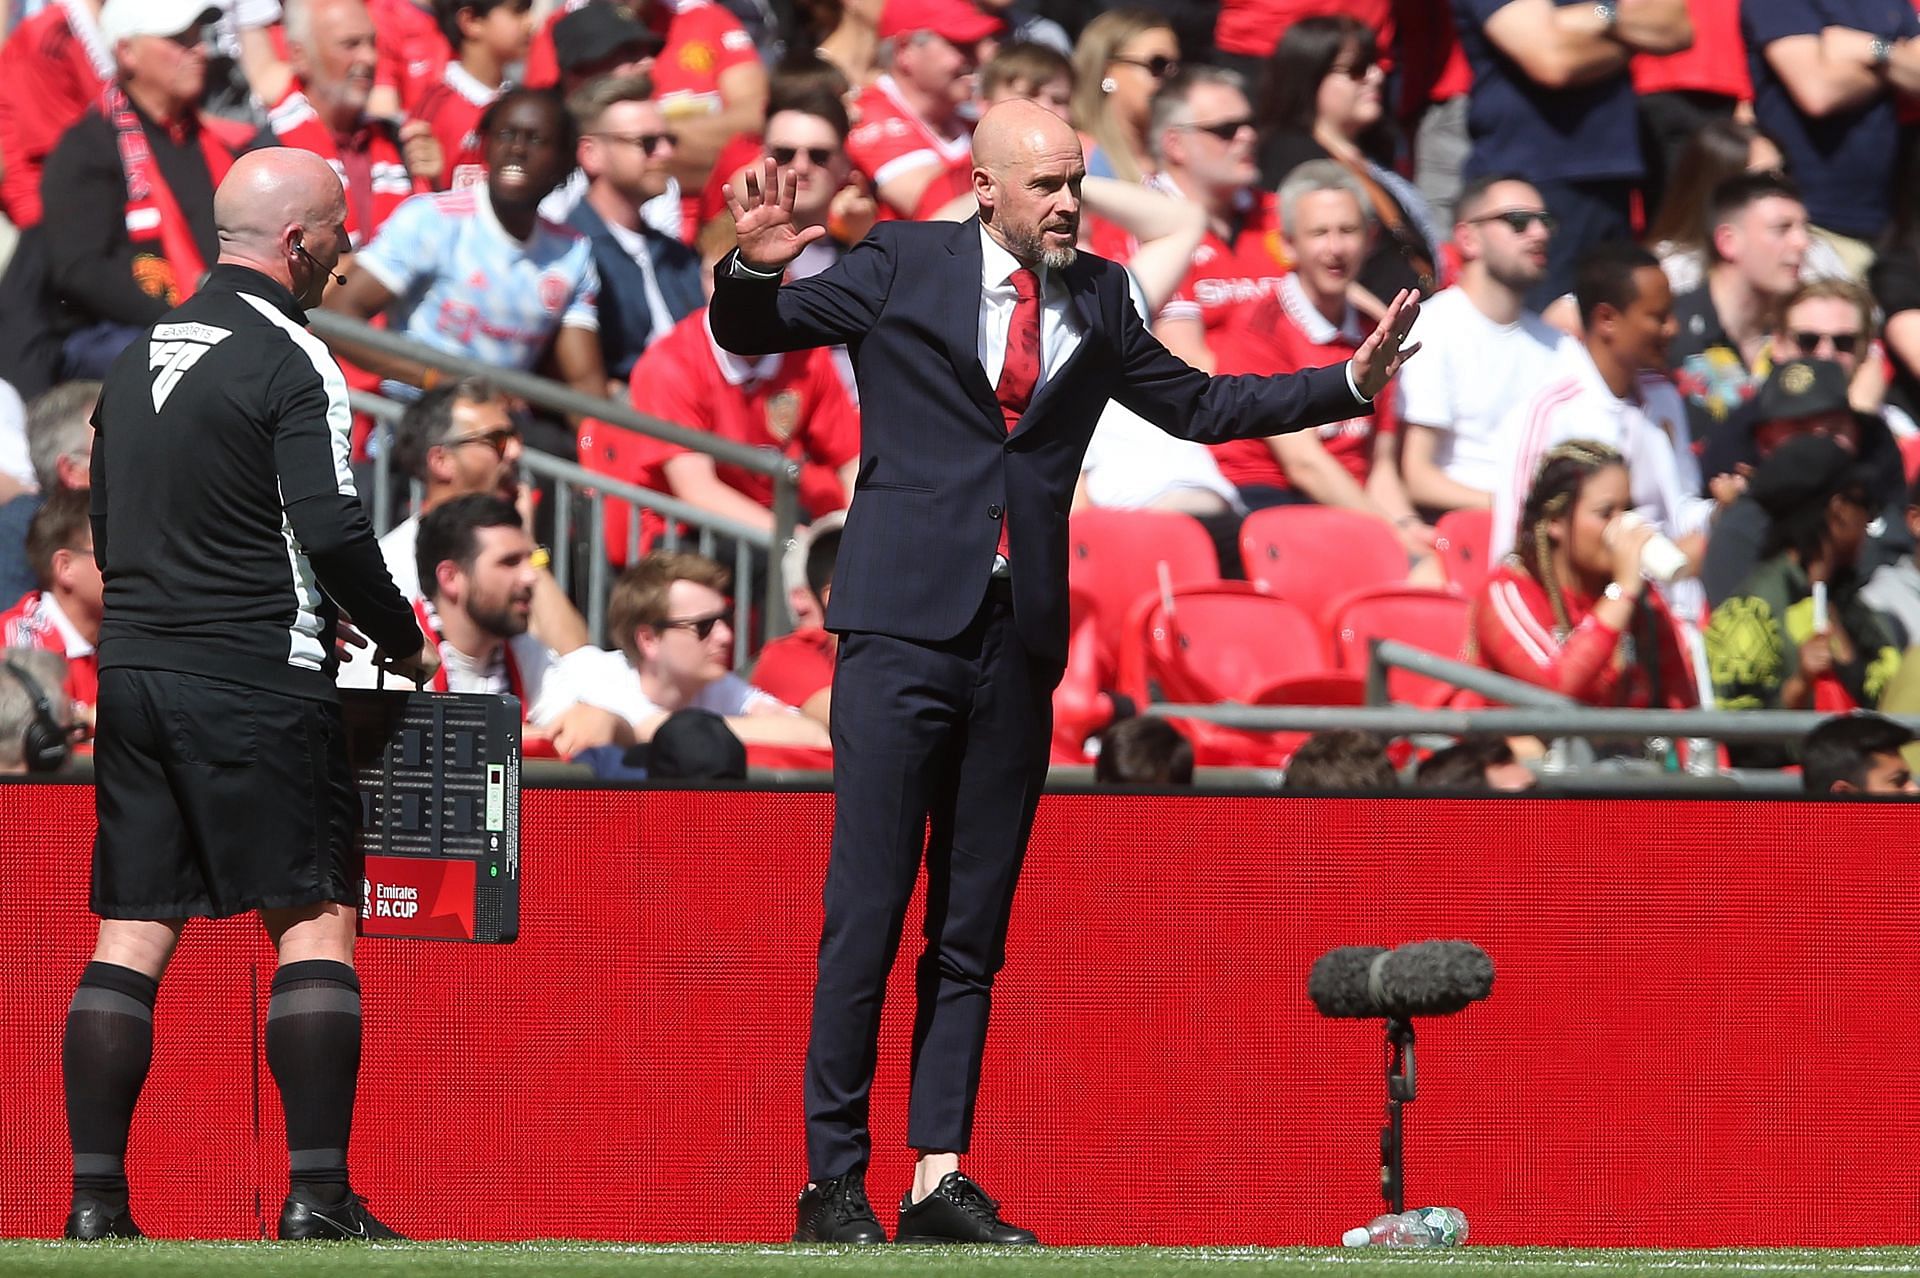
x,y
783,414
553,292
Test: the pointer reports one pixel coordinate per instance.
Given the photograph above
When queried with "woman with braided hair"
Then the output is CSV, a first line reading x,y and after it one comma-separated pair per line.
x,y
1569,610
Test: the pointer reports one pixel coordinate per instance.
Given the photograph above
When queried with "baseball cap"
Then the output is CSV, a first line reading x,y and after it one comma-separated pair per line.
x,y
1804,470
1802,388
594,31
955,21
124,19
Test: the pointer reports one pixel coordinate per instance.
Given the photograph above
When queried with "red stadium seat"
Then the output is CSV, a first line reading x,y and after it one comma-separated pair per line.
x,y
1081,706
1311,555
1462,537
1432,620
1113,558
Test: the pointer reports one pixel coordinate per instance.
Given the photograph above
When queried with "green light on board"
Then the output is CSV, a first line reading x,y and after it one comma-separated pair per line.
x,y
493,871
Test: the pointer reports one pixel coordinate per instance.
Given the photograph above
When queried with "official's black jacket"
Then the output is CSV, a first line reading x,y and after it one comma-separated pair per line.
x,y
224,515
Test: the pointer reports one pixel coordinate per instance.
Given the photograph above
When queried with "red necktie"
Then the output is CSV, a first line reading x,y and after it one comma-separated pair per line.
x,y
1021,371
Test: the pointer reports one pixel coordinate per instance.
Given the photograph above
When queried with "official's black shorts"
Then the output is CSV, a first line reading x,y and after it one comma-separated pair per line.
x,y
214,799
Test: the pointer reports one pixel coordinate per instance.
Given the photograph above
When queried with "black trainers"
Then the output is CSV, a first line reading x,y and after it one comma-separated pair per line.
x,y
306,1217
958,1211
91,1220
837,1211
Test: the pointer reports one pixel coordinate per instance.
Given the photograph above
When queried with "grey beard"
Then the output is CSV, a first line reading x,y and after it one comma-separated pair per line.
x,y
1029,245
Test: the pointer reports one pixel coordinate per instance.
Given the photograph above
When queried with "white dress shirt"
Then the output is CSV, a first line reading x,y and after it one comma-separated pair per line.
x,y
1060,331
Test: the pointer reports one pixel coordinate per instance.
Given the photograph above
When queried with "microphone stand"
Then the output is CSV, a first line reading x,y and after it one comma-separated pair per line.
x,y
1400,1090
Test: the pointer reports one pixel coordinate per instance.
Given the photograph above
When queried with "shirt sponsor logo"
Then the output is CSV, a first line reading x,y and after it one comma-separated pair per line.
x,y
175,348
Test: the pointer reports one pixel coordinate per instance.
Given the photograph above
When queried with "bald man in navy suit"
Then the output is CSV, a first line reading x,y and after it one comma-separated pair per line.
x,y
985,351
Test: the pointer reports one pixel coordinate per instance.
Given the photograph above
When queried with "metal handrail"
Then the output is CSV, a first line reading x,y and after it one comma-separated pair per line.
x,y
1533,721
602,488
1390,654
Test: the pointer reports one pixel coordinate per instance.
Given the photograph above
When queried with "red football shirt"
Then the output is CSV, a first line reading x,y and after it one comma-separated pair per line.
x,y
1282,333
452,107
49,75
796,666
412,50
30,623
1226,276
892,139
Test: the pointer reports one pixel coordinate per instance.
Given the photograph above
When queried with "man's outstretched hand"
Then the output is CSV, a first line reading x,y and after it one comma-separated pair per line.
x,y
763,222
1380,356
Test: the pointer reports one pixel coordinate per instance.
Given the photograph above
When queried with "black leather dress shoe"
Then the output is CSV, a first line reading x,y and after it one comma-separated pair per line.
x,y
958,1211
837,1211
92,1220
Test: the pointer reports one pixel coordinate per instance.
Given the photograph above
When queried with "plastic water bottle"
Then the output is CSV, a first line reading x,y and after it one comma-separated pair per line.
x,y
1421,1227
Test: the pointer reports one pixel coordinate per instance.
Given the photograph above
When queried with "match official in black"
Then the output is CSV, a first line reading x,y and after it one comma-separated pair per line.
x,y
230,539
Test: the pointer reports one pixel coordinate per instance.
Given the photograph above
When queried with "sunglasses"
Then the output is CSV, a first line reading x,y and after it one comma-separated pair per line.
x,y
820,156
1159,66
497,440
1843,343
701,626
647,142
1518,220
1226,130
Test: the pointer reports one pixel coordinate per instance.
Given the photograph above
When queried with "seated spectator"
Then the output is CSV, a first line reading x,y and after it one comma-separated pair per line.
x,y
1894,589
475,563
1830,78
1323,102
912,143
1120,61
333,55
1309,322
1717,151
604,41
1486,763
1611,388
1340,759
1202,137
1482,352
478,272
130,185
1855,754
1552,98
59,444
1570,610
63,615
26,702
1803,397
1144,750
458,440
797,402
798,667
1037,72
648,281
709,82
52,68
672,616
487,37
1757,240
1773,645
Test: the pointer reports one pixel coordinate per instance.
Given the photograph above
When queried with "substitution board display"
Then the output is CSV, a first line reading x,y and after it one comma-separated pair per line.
x,y
439,781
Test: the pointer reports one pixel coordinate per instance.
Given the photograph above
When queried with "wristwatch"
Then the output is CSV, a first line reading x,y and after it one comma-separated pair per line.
x,y
1882,51
1608,13
1615,590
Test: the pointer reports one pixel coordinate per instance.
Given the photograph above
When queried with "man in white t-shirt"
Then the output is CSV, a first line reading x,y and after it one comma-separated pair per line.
x,y
1482,351
476,563
672,618
1612,388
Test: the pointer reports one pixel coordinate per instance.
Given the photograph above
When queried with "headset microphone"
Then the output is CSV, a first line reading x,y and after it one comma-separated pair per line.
x,y
301,249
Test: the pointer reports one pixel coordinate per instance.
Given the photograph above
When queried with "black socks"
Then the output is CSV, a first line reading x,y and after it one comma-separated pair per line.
x,y
313,1049
104,1060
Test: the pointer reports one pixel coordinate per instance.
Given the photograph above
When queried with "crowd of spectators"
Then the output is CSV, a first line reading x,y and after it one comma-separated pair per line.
x,y
1670,260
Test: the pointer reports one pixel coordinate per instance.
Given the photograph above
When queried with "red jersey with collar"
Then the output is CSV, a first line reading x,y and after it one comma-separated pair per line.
x,y
1514,633
30,624
452,107
368,163
796,666
1228,275
1282,333
801,408
50,73
703,43
892,139
411,49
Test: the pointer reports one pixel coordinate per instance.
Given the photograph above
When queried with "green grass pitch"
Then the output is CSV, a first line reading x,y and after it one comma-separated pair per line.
x,y
563,1259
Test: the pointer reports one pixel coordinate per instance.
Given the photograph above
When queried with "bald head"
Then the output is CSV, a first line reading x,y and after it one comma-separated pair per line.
x,y
273,199
1027,168
1019,130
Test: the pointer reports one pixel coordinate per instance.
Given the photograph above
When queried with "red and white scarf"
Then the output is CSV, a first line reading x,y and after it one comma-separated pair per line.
x,y
167,261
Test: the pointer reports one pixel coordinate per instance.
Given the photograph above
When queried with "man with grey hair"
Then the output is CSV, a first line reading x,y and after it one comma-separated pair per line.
x,y
220,478
1352,463
1201,131
332,56
26,703
60,434
913,144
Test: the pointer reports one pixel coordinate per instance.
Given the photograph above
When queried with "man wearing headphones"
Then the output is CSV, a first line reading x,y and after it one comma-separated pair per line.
x,y
36,733
220,482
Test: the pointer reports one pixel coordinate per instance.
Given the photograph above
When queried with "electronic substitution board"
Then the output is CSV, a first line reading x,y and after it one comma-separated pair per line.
x,y
439,781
